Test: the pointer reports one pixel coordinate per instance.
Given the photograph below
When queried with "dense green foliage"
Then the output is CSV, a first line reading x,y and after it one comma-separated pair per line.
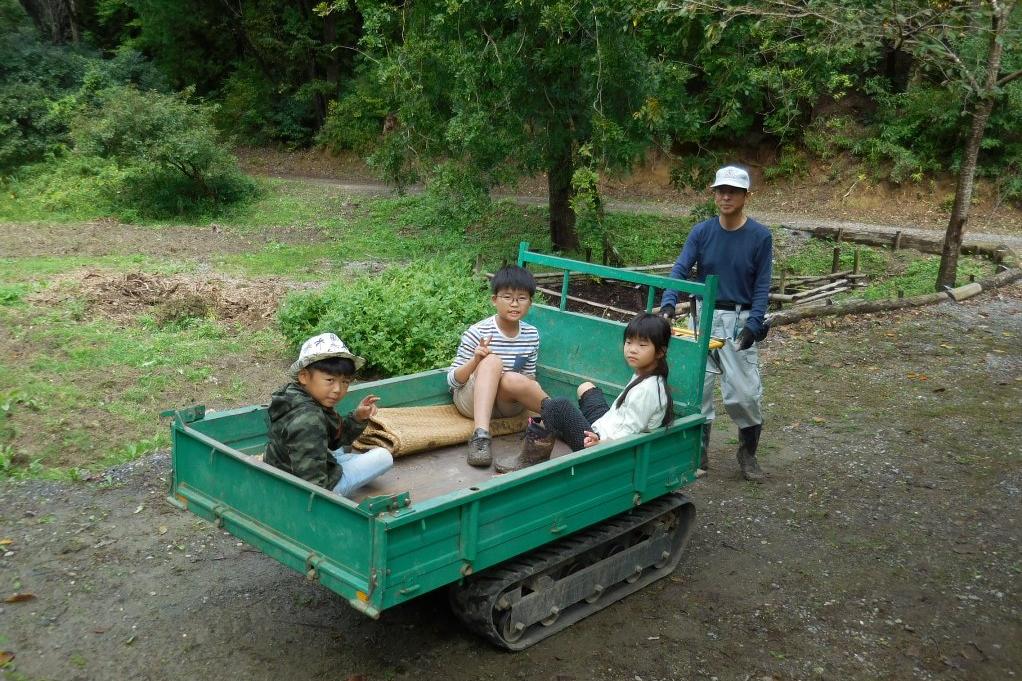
x,y
498,90
167,154
115,141
404,320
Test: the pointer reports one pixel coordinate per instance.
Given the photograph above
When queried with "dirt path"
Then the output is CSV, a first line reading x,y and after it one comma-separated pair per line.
x,y
1008,236
885,544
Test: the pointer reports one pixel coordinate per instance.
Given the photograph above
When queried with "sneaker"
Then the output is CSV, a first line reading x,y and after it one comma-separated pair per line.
x,y
479,453
537,446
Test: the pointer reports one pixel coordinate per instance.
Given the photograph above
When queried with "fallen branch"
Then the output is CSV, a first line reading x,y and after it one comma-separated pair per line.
x,y
822,295
611,308
864,307
790,316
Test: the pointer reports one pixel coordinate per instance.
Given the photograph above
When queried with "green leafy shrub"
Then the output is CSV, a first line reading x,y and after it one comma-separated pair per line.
x,y
355,121
76,187
35,76
405,319
171,157
696,171
792,162
455,198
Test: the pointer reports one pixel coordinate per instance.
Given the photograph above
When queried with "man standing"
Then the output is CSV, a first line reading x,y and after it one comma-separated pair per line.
x,y
739,251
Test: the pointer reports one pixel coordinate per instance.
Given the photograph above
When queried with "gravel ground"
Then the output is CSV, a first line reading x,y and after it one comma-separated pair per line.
x,y
885,543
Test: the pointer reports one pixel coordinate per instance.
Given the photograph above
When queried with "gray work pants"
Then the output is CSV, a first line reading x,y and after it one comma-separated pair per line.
x,y
740,384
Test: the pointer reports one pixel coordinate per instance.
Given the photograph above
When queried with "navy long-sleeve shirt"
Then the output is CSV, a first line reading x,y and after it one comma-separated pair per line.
x,y
741,259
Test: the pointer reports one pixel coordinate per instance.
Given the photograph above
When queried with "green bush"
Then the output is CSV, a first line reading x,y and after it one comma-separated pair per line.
x,y
171,159
455,198
792,162
355,121
36,76
406,319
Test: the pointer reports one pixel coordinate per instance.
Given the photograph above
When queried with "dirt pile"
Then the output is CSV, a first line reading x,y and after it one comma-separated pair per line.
x,y
171,298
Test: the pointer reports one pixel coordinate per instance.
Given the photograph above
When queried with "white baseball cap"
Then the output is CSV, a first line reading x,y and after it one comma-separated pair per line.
x,y
323,346
732,176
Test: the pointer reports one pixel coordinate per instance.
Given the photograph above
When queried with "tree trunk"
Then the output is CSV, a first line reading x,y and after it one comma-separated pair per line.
x,y
333,65
55,19
967,173
562,215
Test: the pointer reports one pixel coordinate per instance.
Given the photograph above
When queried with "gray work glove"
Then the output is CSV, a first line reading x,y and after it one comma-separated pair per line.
x,y
667,311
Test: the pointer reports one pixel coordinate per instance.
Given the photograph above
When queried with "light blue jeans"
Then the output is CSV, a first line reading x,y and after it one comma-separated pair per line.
x,y
360,469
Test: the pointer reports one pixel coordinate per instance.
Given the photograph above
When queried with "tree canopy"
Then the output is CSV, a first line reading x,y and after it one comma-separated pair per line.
x,y
484,93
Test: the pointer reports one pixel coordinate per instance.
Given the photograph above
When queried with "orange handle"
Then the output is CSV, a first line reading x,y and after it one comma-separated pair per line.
x,y
681,331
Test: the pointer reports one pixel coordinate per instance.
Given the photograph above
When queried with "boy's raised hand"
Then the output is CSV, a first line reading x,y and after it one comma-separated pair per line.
x,y
591,439
366,409
483,349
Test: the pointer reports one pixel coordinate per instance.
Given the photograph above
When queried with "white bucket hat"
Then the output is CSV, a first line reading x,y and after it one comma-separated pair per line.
x,y
321,347
732,176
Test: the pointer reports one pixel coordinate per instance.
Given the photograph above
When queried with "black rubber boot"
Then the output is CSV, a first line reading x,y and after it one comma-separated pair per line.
x,y
704,458
748,441
537,446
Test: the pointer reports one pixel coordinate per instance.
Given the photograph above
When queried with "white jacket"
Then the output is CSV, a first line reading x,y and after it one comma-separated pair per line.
x,y
641,412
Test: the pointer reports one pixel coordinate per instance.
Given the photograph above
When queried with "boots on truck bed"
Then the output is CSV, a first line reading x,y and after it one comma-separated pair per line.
x,y
536,448
479,451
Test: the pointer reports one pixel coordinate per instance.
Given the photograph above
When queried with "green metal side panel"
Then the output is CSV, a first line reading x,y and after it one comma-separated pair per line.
x,y
302,526
378,557
593,347
439,541
415,390
587,345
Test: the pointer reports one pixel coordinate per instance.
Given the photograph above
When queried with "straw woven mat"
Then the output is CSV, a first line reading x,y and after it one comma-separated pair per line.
x,y
406,430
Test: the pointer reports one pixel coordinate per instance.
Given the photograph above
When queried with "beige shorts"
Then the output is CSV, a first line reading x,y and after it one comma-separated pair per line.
x,y
464,397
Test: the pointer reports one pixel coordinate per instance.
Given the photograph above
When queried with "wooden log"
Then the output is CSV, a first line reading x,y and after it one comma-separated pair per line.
x,y
837,260
819,289
964,292
1002,279
821,296
897,241
798,314
814,279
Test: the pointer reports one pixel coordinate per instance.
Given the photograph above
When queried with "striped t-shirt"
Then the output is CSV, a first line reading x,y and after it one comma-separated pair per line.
x,y
517,354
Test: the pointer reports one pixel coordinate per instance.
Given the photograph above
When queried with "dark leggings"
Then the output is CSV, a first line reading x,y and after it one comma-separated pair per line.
x,y
569,422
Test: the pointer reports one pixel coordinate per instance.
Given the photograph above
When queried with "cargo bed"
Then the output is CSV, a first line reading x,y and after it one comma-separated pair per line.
x,y
432,521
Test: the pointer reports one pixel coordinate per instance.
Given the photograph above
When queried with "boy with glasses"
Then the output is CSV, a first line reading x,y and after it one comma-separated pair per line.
x,y
739,251
494,371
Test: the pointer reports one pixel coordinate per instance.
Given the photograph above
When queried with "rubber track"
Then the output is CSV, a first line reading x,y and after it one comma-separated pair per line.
x,y
475,598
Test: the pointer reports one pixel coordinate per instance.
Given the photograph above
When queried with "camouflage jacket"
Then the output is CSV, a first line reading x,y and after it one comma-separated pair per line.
x,y
303,433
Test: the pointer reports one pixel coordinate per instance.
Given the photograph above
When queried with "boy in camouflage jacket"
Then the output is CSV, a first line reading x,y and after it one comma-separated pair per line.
x,y
306,433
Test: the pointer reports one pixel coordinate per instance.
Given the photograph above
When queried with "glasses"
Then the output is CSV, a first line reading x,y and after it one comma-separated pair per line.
x,y
514,300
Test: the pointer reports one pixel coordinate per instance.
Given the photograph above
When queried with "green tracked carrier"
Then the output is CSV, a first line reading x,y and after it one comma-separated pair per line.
x,y
524,554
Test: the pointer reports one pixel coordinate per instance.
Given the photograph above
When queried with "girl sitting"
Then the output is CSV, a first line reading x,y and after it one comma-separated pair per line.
x,y
644,405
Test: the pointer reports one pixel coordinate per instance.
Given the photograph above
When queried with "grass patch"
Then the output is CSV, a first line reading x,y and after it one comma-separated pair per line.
x,y
888,271
89,392
29,274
